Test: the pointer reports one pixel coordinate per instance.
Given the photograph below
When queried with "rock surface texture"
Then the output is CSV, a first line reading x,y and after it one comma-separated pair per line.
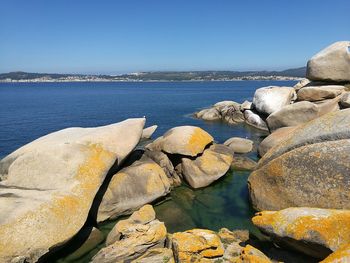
x,y
270,99
331,64
130,239
134,186
313,231
311,168
184,140
48,186
239,145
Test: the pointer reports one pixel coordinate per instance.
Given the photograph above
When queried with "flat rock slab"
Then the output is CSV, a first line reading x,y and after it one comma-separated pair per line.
x,y
48,185
316,93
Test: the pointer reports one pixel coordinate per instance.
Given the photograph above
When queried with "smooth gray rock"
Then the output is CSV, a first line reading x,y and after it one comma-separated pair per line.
x,y
147,132
246,105
48,186
270,99
331,63
240,145
253,119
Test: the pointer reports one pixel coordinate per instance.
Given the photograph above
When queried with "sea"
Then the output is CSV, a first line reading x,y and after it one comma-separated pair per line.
x,y
31,110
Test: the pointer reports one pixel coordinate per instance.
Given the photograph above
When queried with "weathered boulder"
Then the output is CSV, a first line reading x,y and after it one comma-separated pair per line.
x,y
250,254
316,93
255,120
311,168
207,168
242,163
293,115
147,132
342,255
161,255
184,140
132,187
196,245
315,232
301,112
48,186
246,105
345,100
270,99
274,139
240,145
302,83
331,64
163,161
232,114
132,237
210,114
222,104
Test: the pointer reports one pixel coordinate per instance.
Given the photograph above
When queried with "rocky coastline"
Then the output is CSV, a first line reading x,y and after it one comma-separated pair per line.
x,y
58,189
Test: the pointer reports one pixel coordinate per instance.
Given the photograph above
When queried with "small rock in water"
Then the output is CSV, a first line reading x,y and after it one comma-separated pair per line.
x,y
239,145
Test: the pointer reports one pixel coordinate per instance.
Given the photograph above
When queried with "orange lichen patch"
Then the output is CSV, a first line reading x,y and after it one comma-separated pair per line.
x,y
342,255
58,219
252,255
198,140
155,172
212,161
330,227
143,215
197,244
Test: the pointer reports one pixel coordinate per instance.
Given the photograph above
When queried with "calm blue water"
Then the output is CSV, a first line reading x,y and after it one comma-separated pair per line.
x,y
30,110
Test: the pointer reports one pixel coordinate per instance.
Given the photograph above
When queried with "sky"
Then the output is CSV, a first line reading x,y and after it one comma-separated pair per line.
x,y
119,36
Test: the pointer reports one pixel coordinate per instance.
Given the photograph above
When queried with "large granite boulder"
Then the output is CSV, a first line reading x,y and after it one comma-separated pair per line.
x,y
207,168
299,113
184,140
133,237
316,93
132,187
196,245
48,186
270,99
253,119
342,255
240,145
222,104
232,113
274,139
331,64
313,231
310,168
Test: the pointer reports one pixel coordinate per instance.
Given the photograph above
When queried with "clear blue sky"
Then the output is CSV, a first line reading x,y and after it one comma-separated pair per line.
x,y
81,36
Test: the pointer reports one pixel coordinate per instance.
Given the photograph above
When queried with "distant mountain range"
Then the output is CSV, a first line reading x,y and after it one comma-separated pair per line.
x,y
156,76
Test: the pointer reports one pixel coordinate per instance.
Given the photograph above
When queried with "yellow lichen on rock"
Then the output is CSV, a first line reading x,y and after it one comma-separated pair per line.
x,y
326,227
198,140
342,255
197,245
250,254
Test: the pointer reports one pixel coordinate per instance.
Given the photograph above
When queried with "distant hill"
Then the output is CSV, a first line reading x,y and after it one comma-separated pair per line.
x,y
156,75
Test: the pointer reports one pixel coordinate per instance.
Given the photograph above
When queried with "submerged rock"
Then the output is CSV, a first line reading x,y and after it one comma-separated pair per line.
x,y
207,168
196,245
331,63
310,168
134,186
132,238
184,140
315,232
240,145
48,186
243,163
147,132
270,99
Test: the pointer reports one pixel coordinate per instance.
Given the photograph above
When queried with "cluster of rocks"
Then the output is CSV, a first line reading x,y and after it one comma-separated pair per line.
x,y
325,89
54,188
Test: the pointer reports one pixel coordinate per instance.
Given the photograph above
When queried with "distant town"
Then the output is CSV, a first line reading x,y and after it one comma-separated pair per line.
x,y
290,74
